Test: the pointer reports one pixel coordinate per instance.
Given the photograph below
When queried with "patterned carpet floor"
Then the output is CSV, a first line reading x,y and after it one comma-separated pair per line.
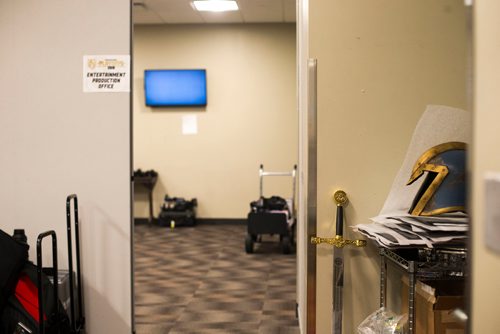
x,y
200,280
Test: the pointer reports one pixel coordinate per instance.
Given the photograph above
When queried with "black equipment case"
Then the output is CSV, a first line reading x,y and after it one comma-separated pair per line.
x,y
178,211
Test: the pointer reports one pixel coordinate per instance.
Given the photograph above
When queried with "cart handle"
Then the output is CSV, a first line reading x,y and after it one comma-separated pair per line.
x,y
39,265
292,173
76,324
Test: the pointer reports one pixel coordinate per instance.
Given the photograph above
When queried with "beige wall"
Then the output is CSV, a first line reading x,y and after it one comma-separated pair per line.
x,y
485,262
379,65
56,140
250,118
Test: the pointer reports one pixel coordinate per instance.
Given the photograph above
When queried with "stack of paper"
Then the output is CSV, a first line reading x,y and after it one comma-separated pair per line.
x,y
401,229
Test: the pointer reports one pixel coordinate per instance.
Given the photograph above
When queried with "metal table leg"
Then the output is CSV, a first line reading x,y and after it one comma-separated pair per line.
x,y
150,220
383,279
411,297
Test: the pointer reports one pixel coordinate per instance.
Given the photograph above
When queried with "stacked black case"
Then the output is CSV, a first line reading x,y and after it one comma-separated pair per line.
x,y
177,211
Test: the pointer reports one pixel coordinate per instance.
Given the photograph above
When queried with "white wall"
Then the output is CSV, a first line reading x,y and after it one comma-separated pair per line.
x,y
250,118
56,140
485,262
379,64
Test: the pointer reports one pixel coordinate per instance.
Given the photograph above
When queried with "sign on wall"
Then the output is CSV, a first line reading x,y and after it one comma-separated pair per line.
x,y
106,73
189,125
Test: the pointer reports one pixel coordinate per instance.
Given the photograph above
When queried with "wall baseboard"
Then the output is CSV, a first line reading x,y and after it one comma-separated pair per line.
x,y
144,221
221,221
204,221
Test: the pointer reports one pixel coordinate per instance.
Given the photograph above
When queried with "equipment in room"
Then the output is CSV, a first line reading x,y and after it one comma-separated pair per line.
x,y
272,216
175,87
36,299
177,211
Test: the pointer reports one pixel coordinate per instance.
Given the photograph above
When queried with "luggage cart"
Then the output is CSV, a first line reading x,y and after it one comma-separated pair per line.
x,y
273,222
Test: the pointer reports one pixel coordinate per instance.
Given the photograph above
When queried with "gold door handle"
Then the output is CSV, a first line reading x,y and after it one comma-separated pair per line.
x,y
338,241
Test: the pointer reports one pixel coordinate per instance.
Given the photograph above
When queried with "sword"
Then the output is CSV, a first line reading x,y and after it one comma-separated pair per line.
x,y
339,243
340,198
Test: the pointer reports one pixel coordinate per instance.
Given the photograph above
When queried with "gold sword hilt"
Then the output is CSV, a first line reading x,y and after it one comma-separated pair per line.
x,y
338,241
340,198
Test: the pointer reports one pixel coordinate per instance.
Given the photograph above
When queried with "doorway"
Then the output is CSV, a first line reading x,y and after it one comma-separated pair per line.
x,y
250,119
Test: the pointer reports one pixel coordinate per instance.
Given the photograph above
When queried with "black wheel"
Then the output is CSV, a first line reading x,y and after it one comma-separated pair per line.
x,y
249,244
286,245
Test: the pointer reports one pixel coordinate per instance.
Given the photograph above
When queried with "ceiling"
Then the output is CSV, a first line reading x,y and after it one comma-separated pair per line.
x,y
181,12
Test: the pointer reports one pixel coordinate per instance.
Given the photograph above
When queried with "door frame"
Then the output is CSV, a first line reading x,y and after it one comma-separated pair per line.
x,y
306,104
306,255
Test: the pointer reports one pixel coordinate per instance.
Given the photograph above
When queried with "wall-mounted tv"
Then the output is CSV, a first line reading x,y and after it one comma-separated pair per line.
x,y
168,88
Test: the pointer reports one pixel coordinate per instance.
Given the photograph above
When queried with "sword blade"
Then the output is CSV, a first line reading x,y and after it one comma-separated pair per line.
x,y
338,285
338,264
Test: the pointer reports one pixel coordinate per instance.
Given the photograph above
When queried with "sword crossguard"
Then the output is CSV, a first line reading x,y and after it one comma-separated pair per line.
x,y
338,241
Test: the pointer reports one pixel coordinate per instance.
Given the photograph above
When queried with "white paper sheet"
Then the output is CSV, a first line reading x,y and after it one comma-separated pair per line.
x,y
189,125
406,230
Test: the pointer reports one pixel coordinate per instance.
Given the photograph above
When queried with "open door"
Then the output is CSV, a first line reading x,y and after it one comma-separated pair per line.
x,y
307,178
379,66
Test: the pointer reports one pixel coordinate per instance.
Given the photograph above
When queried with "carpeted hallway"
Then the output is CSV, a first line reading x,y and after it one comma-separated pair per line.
x,y
200,280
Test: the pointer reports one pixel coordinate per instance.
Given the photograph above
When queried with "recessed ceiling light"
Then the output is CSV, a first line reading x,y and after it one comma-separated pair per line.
x,y
215,5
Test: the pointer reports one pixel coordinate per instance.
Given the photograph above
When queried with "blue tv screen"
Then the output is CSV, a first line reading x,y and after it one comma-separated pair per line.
x,y
165,88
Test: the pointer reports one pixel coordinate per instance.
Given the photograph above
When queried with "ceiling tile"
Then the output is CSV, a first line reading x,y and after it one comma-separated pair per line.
x,y
143,15
224,17
162,5
181,11
262,10
171,16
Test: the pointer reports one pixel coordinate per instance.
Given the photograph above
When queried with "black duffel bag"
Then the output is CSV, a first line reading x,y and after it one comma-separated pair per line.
x,y
269,204
275,203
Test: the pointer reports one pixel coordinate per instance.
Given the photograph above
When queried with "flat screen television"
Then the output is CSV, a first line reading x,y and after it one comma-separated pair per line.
x,y
167,88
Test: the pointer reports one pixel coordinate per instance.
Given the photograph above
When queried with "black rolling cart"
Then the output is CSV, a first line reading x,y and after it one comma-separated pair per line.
x,y
76,312
279,220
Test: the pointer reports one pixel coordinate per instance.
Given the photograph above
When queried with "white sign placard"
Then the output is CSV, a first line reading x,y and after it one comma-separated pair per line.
x,y
189,125
107,73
